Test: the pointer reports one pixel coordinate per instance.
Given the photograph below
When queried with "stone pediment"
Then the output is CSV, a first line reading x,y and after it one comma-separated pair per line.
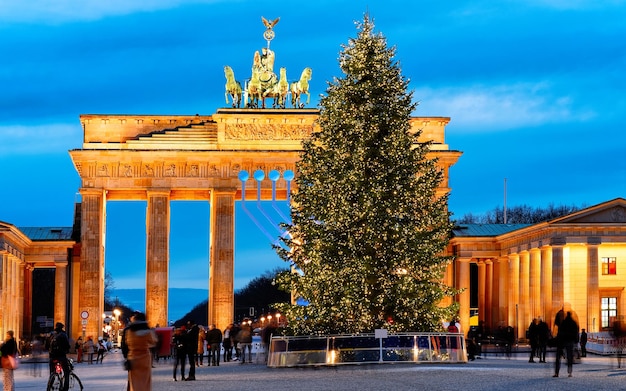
x,y
610,212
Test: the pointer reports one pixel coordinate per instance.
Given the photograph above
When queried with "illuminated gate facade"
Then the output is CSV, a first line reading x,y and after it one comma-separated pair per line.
x,y
159,159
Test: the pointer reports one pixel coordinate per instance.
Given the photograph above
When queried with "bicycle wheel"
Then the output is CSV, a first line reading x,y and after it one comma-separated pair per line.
x,y
75,383
55,382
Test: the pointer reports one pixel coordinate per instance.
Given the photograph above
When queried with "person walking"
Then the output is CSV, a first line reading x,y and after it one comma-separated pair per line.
x,y
567,337
137,339
101,349
58,348
234,330
180,336
226,344
244,338
214,340
9,351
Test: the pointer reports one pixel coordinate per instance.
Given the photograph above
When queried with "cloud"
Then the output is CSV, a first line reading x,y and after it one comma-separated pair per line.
x,y
485,108
38,139
59,11
576,4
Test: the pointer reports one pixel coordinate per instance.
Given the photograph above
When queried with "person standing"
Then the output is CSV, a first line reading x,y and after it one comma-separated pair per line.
x,y
583,343
200,351
191,345
137,339
58,348
214,340
8,349
543,335
89,348
79,349
179,343
533,339
567,337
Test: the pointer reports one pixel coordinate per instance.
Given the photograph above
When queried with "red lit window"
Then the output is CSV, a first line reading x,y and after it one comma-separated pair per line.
x,y
609,265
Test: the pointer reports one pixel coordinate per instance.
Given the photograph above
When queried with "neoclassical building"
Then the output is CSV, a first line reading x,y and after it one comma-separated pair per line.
x,y
509,274
528,271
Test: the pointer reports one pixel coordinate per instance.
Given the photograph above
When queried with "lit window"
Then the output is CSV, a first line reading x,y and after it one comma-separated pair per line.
x,y
608,311
609,265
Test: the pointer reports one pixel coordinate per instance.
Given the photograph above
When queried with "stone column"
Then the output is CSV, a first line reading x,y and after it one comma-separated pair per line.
x,y
157,257
489,283
93,221
222,261
503,292
524,293
558,295
463,282
593,285
14,294
482,290
60,291
27,326
4,261
514,290
535,283
546,284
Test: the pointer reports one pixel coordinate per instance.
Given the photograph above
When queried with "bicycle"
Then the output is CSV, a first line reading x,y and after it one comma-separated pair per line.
x,y
55,382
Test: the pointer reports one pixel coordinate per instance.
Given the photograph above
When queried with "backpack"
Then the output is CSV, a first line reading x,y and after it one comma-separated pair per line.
x,y
53,347
58,344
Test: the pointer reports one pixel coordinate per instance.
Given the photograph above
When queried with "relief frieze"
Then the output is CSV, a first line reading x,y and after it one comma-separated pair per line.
x,y
193,171
267,131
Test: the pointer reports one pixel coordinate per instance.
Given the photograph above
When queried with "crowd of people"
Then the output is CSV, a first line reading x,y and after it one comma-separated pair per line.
x,y
189,344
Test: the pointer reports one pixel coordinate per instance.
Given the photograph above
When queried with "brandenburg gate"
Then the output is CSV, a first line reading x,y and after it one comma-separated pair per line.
x,y
159,159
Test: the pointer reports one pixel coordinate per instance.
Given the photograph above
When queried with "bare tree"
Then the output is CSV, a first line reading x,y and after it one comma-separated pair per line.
x,y
522,214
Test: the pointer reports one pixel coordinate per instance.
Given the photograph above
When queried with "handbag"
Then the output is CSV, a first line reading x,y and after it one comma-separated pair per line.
x,y
552,342
14,362
10,362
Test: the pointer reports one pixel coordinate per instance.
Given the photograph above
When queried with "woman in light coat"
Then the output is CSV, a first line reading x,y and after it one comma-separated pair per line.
x,y
137,340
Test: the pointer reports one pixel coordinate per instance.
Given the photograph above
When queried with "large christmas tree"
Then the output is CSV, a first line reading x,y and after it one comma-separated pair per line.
x,y
368,231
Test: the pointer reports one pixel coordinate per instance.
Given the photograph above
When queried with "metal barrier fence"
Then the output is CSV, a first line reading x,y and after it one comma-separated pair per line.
x,y
367,349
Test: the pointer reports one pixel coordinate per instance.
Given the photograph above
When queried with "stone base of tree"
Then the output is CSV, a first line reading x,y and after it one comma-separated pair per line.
x,y
366,349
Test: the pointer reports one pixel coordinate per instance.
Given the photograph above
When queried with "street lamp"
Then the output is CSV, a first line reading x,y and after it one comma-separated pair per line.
x,y
278,319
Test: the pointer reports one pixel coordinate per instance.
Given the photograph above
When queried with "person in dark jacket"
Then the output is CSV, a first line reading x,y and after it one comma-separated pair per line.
x,y
58,348
191,344
214,340
583,343
567,337
233,340
543,335
533,338
179,342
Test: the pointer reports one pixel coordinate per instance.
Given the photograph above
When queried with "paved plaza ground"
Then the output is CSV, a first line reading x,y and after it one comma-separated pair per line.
x,y
490,373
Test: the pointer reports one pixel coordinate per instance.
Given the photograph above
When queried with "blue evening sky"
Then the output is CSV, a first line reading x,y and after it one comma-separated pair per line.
x,y
536,92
